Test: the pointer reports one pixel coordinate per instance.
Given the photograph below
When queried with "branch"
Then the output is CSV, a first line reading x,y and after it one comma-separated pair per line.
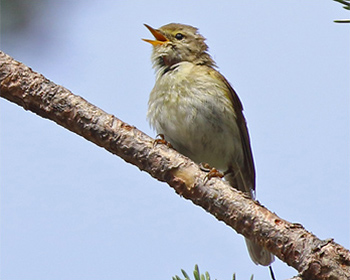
x,y
312,257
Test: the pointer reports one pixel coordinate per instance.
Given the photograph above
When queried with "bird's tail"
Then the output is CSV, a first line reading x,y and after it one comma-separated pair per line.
x,y
258,254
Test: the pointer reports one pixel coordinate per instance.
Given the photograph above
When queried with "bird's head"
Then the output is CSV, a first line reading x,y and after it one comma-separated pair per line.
x,y
176,43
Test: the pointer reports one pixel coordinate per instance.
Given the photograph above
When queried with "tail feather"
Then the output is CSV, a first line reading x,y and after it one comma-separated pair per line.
x,y
258,254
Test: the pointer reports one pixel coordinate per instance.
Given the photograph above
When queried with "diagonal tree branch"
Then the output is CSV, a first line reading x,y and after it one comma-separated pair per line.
x,y
312,257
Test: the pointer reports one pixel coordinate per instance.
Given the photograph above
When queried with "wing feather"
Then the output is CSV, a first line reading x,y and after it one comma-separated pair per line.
x,y
248,170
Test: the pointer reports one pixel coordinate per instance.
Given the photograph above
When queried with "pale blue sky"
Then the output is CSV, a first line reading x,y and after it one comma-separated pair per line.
x,y
71,210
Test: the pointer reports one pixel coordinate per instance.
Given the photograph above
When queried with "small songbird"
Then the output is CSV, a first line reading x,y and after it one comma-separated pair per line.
x,y
195,108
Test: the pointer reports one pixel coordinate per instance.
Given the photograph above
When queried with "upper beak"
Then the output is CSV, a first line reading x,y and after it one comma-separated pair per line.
x,y
160,38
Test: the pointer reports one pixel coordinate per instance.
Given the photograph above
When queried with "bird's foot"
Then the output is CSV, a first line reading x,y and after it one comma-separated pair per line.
x,y
212,171
215,173
161,140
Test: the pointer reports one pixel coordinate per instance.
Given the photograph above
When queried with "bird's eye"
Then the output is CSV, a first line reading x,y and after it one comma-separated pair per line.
x,y
179,36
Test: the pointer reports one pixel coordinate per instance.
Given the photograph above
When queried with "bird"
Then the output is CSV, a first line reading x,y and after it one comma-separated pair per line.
x,y
194,108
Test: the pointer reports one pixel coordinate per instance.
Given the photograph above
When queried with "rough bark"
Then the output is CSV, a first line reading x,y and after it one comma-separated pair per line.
x,y
312,257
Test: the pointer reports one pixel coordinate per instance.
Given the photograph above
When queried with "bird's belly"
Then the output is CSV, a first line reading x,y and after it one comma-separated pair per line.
x,y
198,126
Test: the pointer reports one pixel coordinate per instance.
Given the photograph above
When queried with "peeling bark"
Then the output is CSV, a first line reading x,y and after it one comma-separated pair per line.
x,y
290,242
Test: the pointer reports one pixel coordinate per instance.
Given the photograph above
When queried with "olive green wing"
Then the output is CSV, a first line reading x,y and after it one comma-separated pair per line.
x,y
247,173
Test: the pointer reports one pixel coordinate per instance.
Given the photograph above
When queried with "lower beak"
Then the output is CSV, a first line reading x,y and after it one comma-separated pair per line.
x,y
160,38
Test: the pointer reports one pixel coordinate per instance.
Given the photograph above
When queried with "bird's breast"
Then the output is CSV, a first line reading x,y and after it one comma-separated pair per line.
x,y
193,112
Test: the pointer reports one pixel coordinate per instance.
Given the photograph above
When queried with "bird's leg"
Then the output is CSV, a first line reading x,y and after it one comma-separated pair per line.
x,y
161,140
212,171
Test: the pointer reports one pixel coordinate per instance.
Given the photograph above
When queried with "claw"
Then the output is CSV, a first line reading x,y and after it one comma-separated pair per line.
x,y
161,141
204,167
212,171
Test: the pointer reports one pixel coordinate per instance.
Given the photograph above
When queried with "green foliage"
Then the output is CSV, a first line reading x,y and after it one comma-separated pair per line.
x,y
346,6
346,3
198,276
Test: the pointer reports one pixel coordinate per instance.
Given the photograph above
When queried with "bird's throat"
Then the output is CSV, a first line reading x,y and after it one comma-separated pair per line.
x,y
167,61
165,65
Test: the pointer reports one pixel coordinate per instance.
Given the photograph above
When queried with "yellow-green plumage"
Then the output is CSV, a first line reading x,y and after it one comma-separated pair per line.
x,y
199,113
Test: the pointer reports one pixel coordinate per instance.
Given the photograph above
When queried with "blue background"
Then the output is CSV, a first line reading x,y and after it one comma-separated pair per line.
x,y
71,210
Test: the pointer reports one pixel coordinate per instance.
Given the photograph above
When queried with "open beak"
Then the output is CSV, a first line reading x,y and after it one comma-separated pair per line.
x,y
160,38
